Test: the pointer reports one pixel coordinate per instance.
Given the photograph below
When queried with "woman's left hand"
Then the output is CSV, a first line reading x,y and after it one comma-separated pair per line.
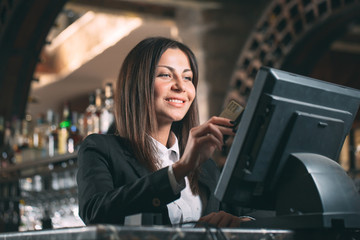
x,y
223,219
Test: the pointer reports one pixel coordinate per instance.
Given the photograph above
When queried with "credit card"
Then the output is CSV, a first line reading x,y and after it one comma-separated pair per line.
x,y
232,111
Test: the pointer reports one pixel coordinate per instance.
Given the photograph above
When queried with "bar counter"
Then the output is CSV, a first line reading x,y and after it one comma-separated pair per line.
x,y
113,232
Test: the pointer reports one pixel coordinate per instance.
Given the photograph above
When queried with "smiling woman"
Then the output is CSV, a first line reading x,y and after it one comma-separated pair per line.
x,y
153,164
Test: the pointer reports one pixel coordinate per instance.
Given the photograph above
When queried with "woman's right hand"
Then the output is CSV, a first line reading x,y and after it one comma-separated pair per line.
x,y
202,142
223,219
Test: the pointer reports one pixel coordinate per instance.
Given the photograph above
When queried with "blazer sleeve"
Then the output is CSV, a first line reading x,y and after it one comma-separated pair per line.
x,y
109,188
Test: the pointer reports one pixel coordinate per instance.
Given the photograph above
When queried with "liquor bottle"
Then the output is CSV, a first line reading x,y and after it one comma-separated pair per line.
x,y
7,154
52,133
36,138
18,140
63,132
2,130
81,125
98,105
39,136
107,114
91,109
74,138
91,118
2,141
25,134
46,221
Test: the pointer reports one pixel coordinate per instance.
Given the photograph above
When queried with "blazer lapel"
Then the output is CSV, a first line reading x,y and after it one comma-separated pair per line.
x,y
126,151
139,169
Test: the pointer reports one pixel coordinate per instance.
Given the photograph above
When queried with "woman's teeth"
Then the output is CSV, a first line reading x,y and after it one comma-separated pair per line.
x,y
175,101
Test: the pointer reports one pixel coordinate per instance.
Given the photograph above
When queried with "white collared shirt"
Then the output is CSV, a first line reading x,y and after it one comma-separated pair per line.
x,y
188,207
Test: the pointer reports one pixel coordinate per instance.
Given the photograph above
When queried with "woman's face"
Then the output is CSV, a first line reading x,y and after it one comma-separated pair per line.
x,y
174,89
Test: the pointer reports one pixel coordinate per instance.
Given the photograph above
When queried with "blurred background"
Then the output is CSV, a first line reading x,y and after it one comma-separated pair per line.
x,y
59,62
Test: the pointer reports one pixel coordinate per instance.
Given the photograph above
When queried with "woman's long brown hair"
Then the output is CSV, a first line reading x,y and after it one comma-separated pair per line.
x,y
134,102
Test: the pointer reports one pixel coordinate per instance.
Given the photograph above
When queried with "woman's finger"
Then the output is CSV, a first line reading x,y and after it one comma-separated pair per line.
x,y
215,218
227,131
206,129
222,219
221,121
225,221
223,124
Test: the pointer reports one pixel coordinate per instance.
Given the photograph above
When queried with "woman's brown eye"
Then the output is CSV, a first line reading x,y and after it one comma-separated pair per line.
x,y
164,75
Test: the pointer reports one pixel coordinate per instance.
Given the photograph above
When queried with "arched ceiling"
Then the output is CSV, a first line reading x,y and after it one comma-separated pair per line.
x,y
293,26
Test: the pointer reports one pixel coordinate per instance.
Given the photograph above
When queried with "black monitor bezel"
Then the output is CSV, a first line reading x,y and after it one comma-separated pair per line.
x,y
339,100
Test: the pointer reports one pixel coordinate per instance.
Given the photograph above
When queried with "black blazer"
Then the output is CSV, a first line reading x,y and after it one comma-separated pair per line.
x,y
112,184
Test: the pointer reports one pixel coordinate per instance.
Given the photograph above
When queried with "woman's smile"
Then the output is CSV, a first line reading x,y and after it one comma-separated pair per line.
x,y
175,101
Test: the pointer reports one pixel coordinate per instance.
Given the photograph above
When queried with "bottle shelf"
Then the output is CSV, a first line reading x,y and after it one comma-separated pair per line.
x,y
34,197
37,181
40,189
41,166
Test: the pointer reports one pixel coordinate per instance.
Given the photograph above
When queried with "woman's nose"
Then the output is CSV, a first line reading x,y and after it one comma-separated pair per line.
x,y
178,84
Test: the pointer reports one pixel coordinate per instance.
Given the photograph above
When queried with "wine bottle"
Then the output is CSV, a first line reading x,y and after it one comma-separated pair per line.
x,y
107,114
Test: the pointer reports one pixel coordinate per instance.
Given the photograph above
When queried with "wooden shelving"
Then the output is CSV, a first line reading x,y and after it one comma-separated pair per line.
x,y
41,166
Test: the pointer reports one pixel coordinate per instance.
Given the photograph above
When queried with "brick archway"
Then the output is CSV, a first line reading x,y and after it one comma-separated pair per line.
x,y
291,35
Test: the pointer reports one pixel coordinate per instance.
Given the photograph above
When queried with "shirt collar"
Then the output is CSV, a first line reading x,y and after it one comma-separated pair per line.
x,y
163,151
